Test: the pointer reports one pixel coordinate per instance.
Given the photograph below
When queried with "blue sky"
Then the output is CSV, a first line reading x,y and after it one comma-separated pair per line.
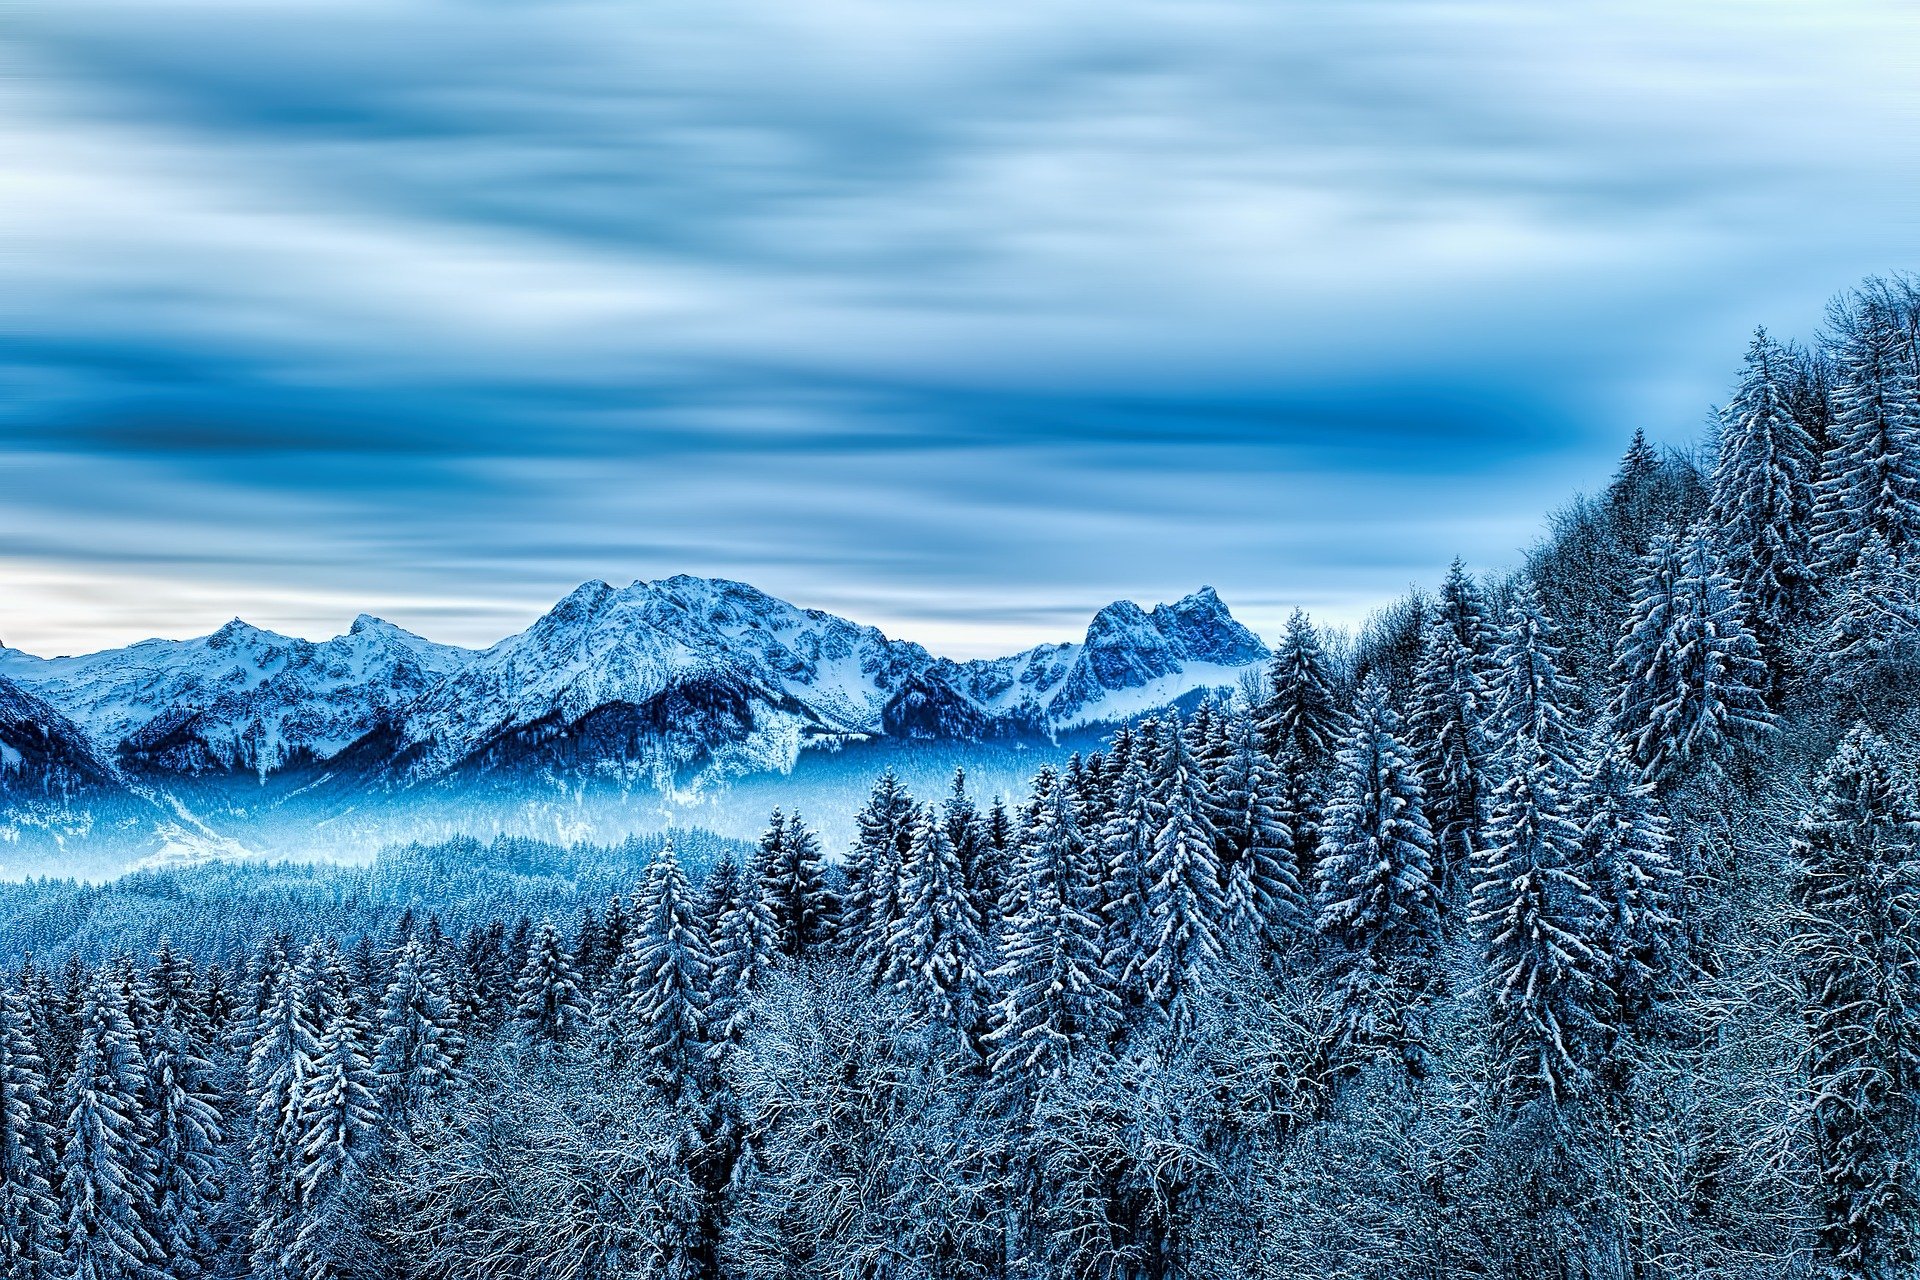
x,y
962,319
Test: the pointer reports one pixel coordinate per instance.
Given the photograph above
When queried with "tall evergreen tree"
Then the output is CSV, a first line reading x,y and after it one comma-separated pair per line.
x,y
187,1129
1540,917
106,1170
1870,473
281,1043
1185,909
419,1060
1691,685
883,833
793,876
1447,732
936,943
549,1006
340,1132
1626,860
1052,996
1762,509
671,966
1260,884
1858,949
746,949
29,1214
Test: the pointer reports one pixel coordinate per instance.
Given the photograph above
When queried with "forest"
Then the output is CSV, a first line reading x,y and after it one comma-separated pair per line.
x,y
1562,923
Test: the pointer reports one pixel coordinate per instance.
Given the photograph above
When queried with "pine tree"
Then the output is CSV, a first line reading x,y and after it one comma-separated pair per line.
x,y
281,1043
936,943
1858,949
1374,887
1260,885
1691,683
1053,997
29,1214
746,949
1531,698
1125,852
1626,860
187,1129
793,876
1540,917
1870,473
340,1112
671,966
1447,732
1871,640
106,1172
1185,909
549,1007
420,1045
884,830
1762,508
1302,714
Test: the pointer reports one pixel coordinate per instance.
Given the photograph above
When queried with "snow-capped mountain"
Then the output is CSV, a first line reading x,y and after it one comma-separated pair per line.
x,y
241,700
664,687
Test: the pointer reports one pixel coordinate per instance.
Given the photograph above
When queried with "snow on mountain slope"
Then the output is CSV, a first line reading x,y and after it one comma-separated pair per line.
x,y
665,683
241,699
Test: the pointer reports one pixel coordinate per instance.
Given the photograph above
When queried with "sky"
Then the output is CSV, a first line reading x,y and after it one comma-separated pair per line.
x,y
959,319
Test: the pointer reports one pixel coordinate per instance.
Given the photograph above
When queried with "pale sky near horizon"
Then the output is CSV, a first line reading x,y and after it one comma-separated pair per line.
x,y
959,319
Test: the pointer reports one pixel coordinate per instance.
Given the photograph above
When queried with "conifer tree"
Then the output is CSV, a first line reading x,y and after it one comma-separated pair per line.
x,y
671,966
549,1007
936,943
1302,725
1447,733
1626,861
1125,853
280,1051
340,1112
1762,508
1691,683
1053,997
418,1062
746,949
106,1171
1858,950
29,1213
793,876
187,1131
1539,916
1870,472
1260,885
1185,909
883,833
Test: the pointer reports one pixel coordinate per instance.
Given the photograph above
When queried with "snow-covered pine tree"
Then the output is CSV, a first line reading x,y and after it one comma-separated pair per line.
x,y
793,876
1691,685
936,943
1302,715
1302,726
1539,916
1185,909
1762,508
1870,473
967,833
671,966
106,1169
419,1060
549,1007
746,949
29,1213
188,1131
1052,995
1858,951
1374,889
1871,639
1626,860
1124,850
883,831
340,1133
1446,730
1260,885
280,1051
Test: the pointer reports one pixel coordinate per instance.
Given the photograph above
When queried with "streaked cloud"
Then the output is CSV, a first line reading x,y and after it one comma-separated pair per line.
x,y
962,319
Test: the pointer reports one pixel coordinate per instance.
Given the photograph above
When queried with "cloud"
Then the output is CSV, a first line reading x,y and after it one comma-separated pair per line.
x,y
969,317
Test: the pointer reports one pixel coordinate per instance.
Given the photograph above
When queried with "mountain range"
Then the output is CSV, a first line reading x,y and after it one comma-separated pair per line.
x,y
659,687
